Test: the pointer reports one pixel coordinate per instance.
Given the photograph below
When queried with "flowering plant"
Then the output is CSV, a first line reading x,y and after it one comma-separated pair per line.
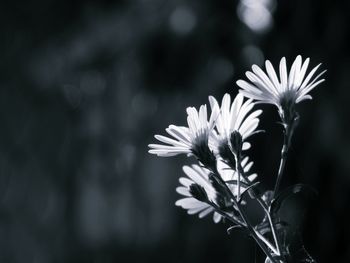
x,y
222,182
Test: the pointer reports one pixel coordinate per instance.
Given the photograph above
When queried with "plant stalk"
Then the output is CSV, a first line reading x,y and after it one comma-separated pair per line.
x,y
240,170
288,132
253,232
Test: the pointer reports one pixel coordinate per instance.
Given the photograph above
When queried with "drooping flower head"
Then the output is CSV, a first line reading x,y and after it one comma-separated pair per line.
x,y
234,124
193,139
199,192
285,91
196,175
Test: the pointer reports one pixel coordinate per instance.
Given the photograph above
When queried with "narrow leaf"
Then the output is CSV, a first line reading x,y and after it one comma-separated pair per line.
x,y
293,190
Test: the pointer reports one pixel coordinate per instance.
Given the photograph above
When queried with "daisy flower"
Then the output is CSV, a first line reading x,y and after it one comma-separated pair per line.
x,y
199,176
285,91
188,140
235,121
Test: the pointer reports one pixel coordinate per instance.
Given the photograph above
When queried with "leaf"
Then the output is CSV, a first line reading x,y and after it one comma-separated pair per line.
x,y
235,182
277,258
303,256
237,228
232,228
250,188
295,248
264,226
267,197
298,189
252,193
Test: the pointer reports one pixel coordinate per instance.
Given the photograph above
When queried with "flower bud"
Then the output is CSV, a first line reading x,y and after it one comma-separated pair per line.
x,y
226,154
236,143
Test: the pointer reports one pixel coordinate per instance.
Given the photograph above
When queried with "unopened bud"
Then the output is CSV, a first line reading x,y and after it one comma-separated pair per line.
x,y
236,142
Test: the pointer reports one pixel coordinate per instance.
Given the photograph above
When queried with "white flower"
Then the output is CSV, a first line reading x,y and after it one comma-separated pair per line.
x,y
200,176
288,89
186,139
235,117
196,175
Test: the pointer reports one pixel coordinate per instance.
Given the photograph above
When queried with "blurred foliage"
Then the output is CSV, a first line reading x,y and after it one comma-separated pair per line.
x,y
85,84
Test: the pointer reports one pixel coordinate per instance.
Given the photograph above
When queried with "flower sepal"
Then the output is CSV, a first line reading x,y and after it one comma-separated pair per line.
x,y
198,192
223,197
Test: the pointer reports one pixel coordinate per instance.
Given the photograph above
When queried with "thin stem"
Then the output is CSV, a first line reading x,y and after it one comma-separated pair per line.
x,y
288,131
257,236
240,170
273,230
267,242
238,222
227,216
252,231
237,160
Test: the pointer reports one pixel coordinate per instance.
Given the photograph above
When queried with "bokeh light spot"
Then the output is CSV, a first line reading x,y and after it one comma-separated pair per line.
x,y
182,20
256,14
253,55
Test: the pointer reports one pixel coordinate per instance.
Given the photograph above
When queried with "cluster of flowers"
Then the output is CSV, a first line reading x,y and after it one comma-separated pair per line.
x,y
219,141
213,142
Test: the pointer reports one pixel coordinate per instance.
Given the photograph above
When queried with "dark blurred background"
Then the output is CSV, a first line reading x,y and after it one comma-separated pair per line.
x,y
84,85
